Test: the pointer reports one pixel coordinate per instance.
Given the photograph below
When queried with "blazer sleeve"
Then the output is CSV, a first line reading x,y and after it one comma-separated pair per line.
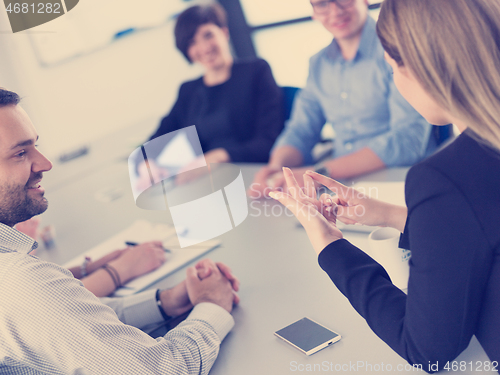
x,y
449,269
269,119
171,122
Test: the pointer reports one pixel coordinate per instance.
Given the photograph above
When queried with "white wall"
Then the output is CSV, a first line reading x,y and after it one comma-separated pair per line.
x,y
87,97
288,48
129,81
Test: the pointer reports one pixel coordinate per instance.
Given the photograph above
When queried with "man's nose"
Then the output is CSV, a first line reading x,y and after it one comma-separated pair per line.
x,y
41,163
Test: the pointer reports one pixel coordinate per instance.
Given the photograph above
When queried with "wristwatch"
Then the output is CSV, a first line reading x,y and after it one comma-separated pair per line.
x,y
158,302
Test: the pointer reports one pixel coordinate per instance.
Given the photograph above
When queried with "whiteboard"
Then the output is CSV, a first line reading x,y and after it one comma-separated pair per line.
x,y
93,24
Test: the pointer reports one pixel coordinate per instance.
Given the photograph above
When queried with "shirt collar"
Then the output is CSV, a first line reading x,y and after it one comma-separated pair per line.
x,y
366,43
13,240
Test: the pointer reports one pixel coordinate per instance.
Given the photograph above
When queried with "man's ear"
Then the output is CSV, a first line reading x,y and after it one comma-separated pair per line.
x,y
313,14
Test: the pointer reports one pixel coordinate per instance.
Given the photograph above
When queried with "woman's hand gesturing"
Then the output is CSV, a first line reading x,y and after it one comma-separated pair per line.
x,y
317,218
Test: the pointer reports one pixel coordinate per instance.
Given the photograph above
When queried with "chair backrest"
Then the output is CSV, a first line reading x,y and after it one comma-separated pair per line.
x,y
289,93
442,133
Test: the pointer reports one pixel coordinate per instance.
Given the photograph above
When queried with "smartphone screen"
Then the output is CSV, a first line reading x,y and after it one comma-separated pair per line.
x,y
308,336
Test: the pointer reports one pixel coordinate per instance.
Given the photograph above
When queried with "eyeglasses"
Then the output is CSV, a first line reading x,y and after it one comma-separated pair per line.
x,y
323,7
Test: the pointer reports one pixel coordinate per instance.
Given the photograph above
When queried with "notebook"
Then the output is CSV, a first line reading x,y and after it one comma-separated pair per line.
x,y
142,231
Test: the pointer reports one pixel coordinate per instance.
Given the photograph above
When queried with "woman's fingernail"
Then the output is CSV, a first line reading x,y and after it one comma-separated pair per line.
x,y
329,201
275,195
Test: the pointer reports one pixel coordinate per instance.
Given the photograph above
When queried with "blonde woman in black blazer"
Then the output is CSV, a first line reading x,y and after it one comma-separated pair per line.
x,y
449,73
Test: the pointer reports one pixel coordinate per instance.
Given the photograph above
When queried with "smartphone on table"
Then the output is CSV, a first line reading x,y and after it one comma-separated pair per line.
x,y
308,336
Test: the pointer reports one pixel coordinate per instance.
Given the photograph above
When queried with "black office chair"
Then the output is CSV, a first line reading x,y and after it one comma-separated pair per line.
x,y
289,93
442,133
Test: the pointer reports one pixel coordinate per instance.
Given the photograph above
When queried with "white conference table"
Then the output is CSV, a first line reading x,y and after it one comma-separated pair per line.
x,y
281,280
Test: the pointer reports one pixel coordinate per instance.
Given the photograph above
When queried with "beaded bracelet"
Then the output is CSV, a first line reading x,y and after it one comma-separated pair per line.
x,y
114,275
83,267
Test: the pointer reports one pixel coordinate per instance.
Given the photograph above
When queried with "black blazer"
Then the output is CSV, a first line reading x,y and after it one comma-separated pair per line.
x,y
453,231
243,115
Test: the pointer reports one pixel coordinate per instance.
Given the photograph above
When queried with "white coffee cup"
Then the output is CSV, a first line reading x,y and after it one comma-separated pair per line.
x,y
384,243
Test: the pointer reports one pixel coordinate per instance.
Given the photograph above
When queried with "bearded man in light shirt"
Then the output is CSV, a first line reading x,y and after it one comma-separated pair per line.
x,y
51,324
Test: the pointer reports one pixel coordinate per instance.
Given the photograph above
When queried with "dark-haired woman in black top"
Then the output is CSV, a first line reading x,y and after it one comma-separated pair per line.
x,y
236,105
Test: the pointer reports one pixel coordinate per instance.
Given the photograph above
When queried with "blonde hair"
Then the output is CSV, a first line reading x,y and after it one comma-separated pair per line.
x,y
451,48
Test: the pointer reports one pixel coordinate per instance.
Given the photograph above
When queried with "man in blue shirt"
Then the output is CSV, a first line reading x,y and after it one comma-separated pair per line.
x,y
349,86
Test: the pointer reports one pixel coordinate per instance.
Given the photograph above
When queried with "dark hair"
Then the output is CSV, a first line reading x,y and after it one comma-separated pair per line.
x,y
192,18
389,45
8,97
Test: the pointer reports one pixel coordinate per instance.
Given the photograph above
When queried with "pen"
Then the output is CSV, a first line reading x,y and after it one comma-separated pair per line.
x,y
131,243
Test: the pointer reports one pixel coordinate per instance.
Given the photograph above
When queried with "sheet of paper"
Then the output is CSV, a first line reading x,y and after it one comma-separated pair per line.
x,y
142,231
178,153
390,192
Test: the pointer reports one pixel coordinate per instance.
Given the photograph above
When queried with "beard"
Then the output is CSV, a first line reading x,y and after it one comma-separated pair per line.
x,y
17,206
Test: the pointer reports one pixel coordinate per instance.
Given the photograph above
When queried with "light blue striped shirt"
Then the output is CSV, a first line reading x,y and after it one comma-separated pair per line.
x,y
51,324
359,99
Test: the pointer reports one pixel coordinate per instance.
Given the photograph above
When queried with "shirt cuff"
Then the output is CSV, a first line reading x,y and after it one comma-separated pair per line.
x,y
141,309
221,321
